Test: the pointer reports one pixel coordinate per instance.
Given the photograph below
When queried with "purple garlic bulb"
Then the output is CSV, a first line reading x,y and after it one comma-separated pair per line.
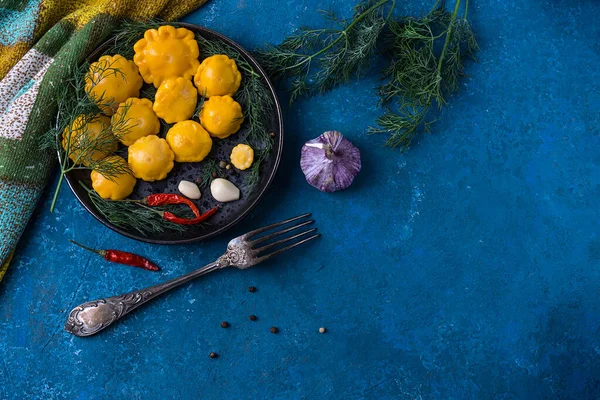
x,y
330,162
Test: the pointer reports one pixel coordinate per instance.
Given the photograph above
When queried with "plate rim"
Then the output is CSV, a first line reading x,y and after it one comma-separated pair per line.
x,y
263,189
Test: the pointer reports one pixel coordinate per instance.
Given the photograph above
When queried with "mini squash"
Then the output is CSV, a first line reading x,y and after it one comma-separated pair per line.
x,y
112,80
119,186
221,116
242,156
166,52
89,139
134,119
189,141
175,100
150,158
218,75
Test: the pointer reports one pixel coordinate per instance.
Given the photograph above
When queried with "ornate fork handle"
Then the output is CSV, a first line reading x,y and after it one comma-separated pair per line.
x,y
93,316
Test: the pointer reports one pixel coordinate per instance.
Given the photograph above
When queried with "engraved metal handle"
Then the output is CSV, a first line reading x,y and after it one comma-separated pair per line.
x,y
91,317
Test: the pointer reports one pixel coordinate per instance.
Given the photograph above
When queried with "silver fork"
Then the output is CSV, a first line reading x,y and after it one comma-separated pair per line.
x,y
242,252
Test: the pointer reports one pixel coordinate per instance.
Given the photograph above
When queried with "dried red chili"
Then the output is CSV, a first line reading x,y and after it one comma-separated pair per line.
x,y
169,216
161,199
122,257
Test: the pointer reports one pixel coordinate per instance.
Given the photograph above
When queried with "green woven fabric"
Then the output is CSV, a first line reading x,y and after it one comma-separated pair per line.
x,y
41,41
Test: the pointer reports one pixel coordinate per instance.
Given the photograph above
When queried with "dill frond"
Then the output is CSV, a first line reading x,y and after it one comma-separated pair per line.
x,y
253,173
209,170
254,96
73,102
148,92
132,215
199,105
426,62
128,33
317,60
257,103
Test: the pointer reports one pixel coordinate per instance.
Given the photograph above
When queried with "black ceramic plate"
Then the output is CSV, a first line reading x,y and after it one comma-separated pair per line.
x,y
230,213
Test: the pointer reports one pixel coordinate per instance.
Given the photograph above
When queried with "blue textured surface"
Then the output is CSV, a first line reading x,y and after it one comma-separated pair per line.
x,y
466,268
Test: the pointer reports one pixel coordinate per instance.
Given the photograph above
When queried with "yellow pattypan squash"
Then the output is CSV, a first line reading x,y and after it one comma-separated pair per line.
x,y
221,116
218,75
134,119
168,52
189,141
175,100
150,158
242,156
119,186
112,80
89,139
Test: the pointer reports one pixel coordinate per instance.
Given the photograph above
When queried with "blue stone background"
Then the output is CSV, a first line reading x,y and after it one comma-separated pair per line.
x,y
465,268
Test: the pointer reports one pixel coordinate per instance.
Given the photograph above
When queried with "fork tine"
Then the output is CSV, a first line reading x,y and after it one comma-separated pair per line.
x,y
284,240
272,235
275,225
266,257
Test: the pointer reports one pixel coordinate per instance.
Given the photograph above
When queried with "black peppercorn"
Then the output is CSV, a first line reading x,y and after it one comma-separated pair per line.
x,y
252,289
214,175
253,318
224,324
213,355
274,330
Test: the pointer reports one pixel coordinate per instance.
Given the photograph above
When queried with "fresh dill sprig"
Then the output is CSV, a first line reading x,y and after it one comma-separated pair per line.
x,y
199,105
121,126
420,75
317,60
253,173
132,215
257,103
254,96
426,57
128,33
210,170
74,103
148,92
407,119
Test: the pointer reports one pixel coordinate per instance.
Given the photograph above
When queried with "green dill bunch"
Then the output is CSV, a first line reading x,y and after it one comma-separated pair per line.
x,y
426,62
317,60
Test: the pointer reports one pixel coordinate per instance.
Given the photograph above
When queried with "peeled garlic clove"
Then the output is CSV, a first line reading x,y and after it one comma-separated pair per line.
x,y
222,190
189,190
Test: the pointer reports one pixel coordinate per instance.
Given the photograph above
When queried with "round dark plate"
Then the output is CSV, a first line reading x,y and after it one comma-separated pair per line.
x,y
229,213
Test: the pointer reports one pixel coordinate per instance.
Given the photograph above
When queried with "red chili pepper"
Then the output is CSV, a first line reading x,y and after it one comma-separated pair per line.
x,y
122,257
185,221
161,199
